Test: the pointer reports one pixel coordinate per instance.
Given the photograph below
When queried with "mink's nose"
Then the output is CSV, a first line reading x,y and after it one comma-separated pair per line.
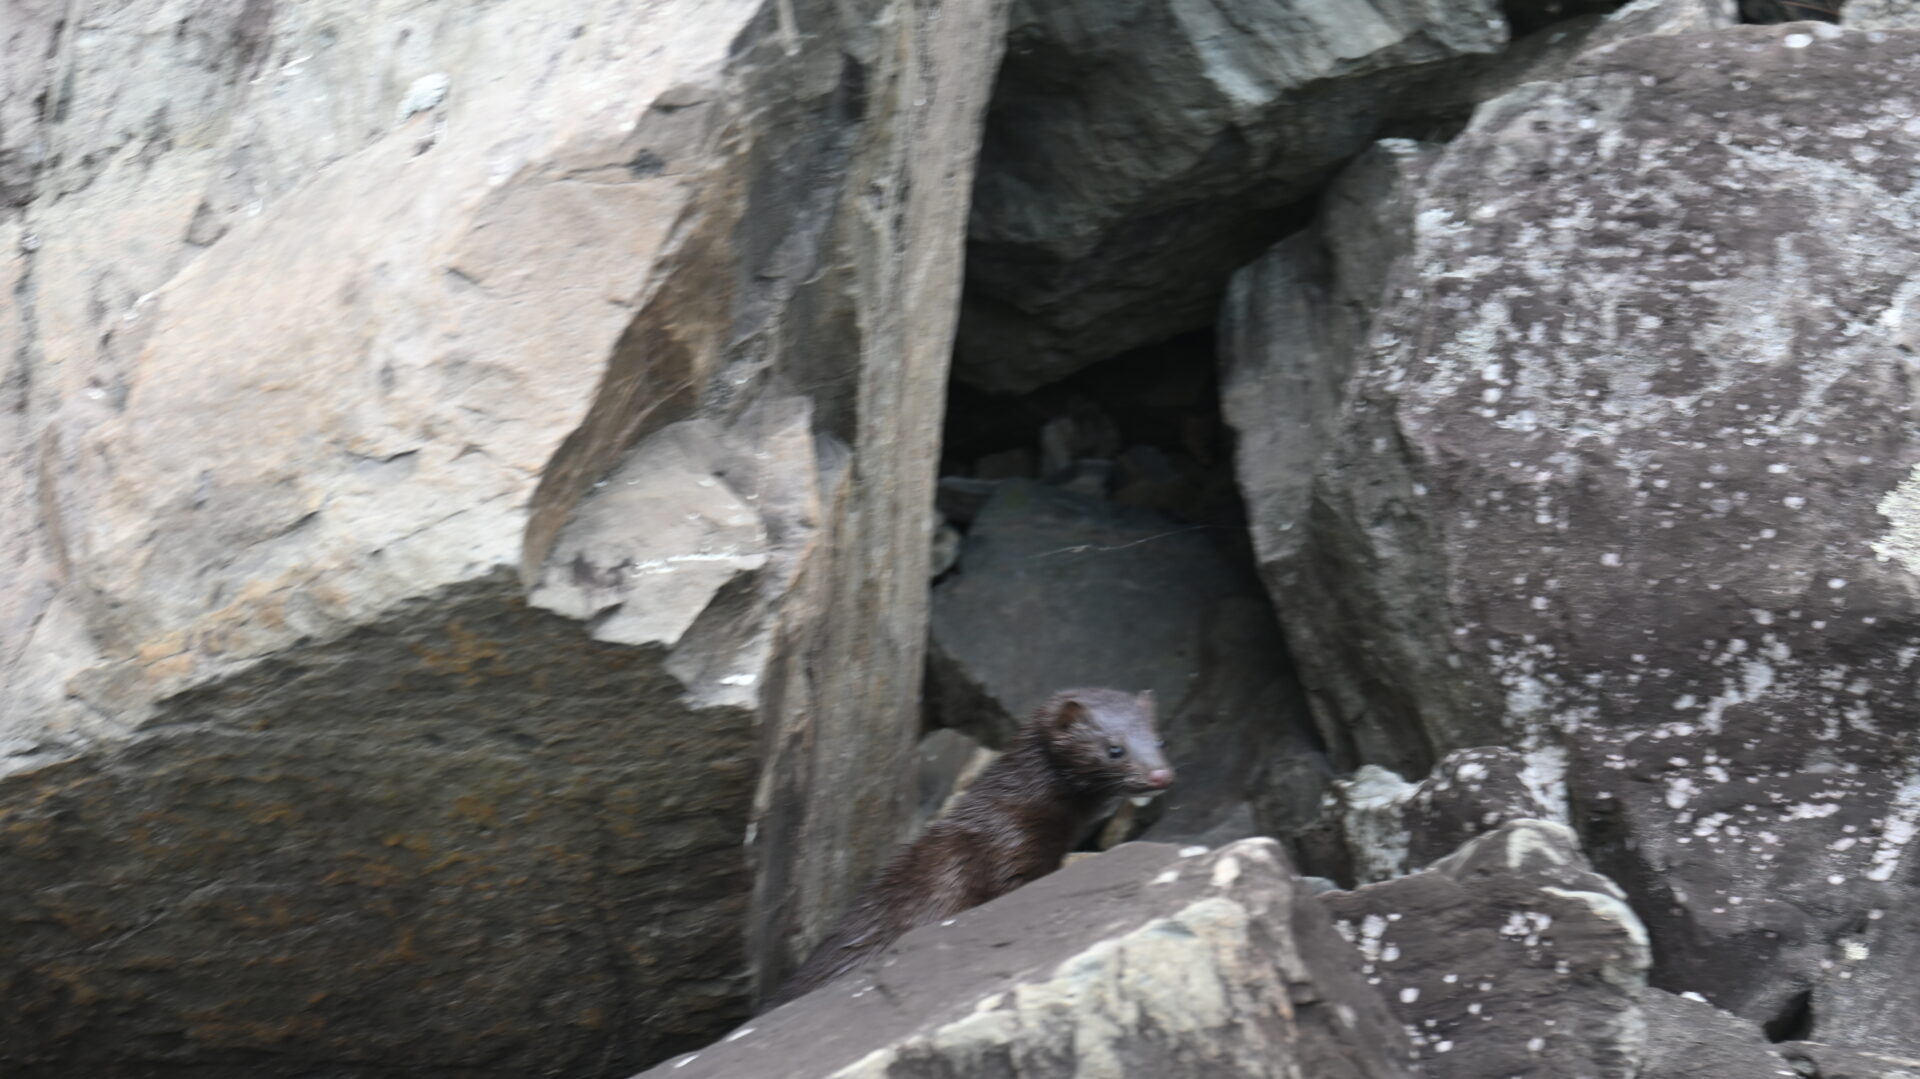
x,y
1160,778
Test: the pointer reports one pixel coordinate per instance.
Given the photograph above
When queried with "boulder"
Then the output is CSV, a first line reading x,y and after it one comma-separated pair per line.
x,y
1387,827
948,761
1687,1038
1815,1060
1057,589
1623,480
1146,960
1775,11
1879,15
1138,150
446,450
1509,957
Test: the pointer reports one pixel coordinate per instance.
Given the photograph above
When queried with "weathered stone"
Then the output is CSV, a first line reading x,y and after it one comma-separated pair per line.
x,y
1688,1038
1122,598
1387,827
1818,1061
1774,11
1623,482
1509,957
1879,15
1138,151
333,331
28,71
1138,962
949,761
1870,998
1290,331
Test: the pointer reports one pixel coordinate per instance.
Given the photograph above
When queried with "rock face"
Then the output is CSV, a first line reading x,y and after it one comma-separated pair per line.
x,y
1059,589
1508,957
1138,150
1624,480
1381,826
1691,1039
1817,1061
1879,15
447,450
1138,962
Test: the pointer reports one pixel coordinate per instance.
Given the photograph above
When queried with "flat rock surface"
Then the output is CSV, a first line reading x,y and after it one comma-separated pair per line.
x,y
1626,482
1141,961
1509,957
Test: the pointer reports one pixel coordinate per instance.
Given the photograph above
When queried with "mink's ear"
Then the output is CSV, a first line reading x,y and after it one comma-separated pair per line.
x,y
1067,713
1146,700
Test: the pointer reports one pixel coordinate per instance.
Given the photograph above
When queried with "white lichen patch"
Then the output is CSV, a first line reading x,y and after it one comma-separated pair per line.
x,y
1372,803
1901,507
1903,821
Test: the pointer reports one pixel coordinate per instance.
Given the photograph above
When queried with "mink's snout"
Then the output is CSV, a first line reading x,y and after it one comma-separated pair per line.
x,y
1160,778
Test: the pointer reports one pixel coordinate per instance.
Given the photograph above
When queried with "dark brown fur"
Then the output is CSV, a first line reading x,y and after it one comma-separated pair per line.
x,y
1014,824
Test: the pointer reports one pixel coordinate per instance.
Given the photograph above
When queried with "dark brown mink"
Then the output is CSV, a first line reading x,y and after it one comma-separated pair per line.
x,y
1066,768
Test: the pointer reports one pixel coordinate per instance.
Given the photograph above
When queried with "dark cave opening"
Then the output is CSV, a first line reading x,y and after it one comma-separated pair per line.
x,y
1139,436
1795,1021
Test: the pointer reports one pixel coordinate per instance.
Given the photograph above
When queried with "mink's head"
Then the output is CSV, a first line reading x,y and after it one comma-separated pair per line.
x,y
1104,741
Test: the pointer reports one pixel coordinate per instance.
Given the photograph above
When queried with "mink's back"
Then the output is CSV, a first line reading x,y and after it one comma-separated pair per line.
x,y
1010,827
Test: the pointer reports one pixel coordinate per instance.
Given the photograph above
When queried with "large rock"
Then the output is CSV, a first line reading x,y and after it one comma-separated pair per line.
x,y
336,333
1142,961
1384,827
1509,957
1138,150
1625,480
1687,1038
1059,589
1815,1060
1880,15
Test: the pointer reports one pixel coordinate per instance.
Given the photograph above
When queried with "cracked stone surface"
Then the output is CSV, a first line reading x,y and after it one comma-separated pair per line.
x,y
1623,480
1144,960
444,448
1508,957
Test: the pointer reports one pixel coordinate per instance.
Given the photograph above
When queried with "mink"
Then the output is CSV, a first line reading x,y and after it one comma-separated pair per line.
x,y
1067,767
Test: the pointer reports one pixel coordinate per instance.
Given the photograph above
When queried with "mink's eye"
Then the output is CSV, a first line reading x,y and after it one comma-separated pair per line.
x,y
1116,751
1161,744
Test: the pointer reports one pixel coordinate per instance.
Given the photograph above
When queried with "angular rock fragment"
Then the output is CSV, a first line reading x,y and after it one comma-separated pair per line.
x,y
329,333
1622,481
1691,1039
1139,150
1142,961
1508,957
1815,1060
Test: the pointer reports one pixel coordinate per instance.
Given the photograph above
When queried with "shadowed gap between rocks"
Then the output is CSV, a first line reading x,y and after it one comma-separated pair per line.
x,y
1091,533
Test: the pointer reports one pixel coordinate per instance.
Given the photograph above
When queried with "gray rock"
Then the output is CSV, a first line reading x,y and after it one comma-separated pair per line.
x,y
1869,998
1622,482
1691,1039
1817,1061
1291,329
1140,149
1879,15
300,402
1141,961
1776,11
1372,825
948,761
1509,957
1122,598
